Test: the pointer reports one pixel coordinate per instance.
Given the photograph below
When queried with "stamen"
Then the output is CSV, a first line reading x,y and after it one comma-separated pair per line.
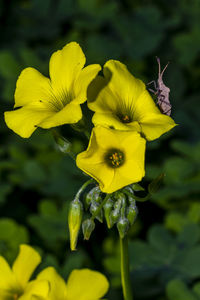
x,y
125,118
114,158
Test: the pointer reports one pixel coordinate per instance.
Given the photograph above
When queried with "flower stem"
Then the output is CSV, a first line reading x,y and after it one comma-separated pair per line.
x,y
143,199
125,271
83,187
100,207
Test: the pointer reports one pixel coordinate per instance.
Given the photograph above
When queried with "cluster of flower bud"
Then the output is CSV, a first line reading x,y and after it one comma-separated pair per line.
x,y
121,210
117,208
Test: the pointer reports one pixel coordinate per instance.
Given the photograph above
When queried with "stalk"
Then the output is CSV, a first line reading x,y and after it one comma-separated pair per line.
x,y
125,270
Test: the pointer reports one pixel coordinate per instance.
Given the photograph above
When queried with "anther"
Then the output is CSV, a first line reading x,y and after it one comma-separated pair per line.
x,y
115,158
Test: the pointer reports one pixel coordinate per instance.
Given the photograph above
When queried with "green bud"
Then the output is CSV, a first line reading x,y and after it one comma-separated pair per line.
x,y
136,187
132,212
74,222
123,226
93,209
115,213
81,125
107,210
88,226
62,143
130,198
93,195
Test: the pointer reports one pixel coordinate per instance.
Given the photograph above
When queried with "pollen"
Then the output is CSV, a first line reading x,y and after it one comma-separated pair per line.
x,y
115,158
125,118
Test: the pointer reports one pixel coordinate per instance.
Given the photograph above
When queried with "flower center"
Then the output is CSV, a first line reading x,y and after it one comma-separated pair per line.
x,y
114,158
125,118
15,296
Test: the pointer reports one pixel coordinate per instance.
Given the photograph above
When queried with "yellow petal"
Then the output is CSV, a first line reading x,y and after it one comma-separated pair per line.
x,y
57,284
152,121
91,161
106,138
37,298
8,281
32,86
65,66
96,85
6,295
83,80
25,264
133,145
154,125
111,120
101,98
145,105
86,285
71,113
100,172
24,121
122,83
37,288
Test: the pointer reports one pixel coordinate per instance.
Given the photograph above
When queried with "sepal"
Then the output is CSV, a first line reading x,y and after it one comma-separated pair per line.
x,y
88,226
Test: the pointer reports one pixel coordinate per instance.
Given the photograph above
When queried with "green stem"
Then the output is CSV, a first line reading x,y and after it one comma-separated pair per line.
x,y
83,187
135,197
100,207
125,271
87,134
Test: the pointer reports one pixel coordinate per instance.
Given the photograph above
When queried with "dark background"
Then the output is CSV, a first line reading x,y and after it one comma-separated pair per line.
x,y
37,181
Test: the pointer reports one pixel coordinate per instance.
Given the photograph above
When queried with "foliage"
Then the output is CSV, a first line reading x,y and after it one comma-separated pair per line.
x,y
37,181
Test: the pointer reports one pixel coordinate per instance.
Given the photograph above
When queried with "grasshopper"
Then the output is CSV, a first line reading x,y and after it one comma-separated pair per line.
x,y
161,91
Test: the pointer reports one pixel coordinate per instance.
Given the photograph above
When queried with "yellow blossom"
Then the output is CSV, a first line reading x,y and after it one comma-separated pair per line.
x,y
14,282
82,284
43,102
114,158
121,101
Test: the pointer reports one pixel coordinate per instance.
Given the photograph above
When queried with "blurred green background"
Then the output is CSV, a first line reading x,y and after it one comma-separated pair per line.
x,y
37,181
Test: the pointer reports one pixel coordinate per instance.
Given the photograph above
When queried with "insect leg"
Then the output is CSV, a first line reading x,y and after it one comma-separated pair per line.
x,y
154,84
152,91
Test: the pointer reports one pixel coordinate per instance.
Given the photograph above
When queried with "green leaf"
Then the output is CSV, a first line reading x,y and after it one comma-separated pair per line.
x,y
11,236
9,67
176,289
51,223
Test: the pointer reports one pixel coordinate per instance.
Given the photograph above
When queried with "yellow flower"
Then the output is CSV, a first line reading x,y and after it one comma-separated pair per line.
x,y
114,158
121,101
82,284
14,282
46,103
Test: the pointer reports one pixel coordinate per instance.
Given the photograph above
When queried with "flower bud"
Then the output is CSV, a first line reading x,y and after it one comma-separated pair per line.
x,y
88,226
136,187
93,209
115,213
155,184
107,209
81,125
74,221
62,143
123,226
132,212
130,199
93,195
